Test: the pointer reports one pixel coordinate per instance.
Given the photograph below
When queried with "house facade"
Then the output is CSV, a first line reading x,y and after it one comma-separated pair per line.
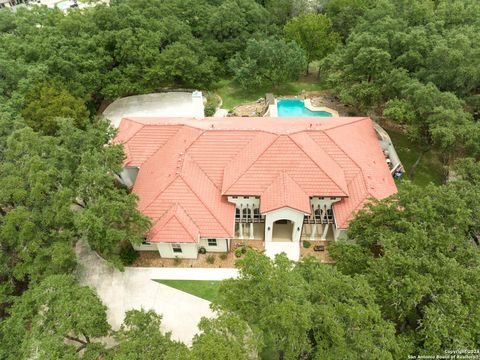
x,y
277,180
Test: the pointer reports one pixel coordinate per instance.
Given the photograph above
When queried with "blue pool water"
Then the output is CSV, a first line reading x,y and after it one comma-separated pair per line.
x,y
296,108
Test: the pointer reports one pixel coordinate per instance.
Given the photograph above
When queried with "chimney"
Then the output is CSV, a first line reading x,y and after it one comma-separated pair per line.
x,y
198,107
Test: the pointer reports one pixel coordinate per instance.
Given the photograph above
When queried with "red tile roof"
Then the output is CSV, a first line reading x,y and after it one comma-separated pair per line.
x,y
284,192
194,164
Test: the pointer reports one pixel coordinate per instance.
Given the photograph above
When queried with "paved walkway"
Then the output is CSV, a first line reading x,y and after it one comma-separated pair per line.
x,y
172,104
291,248
135,289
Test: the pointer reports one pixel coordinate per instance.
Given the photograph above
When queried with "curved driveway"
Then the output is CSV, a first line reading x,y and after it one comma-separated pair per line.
x,y
135,289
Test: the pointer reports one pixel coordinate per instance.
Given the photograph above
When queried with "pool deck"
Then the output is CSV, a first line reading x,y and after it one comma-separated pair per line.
x,y
273,110
309,106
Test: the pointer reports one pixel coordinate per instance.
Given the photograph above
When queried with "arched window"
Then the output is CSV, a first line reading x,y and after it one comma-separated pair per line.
x,y
247,213
256,214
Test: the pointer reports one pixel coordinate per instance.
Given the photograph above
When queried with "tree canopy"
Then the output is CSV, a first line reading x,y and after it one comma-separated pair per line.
x,y
268,61
313,33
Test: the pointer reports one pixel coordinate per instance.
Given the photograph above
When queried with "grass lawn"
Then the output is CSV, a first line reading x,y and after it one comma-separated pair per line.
x,y
204,289
232,94
430,168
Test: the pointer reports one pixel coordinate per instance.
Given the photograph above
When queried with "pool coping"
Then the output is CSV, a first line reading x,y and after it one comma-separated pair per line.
x,y
309,106
273,110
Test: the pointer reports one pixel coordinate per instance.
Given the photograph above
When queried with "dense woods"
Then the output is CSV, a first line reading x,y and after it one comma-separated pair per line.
x,y
406,283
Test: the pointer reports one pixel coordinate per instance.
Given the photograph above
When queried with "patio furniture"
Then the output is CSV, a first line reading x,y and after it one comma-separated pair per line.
x,y
319,248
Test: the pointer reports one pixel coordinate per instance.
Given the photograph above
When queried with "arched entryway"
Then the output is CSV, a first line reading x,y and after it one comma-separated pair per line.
x,y
282,230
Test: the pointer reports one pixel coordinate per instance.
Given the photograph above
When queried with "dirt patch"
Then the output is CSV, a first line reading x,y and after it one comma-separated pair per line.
x,y
326,98
323,256
253,109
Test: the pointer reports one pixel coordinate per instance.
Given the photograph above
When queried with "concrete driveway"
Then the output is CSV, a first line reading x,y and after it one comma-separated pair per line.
x,y
135,289
172,104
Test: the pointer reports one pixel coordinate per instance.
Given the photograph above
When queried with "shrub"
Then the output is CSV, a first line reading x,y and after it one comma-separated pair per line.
x,y
244,248
202,250
306,244
210,259
210,110
127,253
177,260
238,252
223,256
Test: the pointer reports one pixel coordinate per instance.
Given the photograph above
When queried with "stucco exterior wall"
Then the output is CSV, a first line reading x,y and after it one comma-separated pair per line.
x,y
189,250
317,201
145,247
222,245
339,234
284,214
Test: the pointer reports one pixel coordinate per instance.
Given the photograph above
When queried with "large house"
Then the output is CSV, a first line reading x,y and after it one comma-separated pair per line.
x,y
277,180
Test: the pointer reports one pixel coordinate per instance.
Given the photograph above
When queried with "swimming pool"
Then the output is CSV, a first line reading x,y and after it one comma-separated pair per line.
x,y
296,108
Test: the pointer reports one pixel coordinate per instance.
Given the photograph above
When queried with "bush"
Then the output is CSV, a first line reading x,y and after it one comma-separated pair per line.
x,y
210,259
224,256
210,110
127,253
238,252
306,244
177,260
202,250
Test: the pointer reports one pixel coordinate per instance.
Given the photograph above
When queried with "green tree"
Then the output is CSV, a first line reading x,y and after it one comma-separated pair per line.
x,y
416,250
268,295
54,319
346,322
345,14
226,337
313,33
46,103
268,62
54,190
140,338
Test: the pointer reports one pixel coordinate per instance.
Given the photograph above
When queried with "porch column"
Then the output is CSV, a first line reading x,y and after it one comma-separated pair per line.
x,y
314,232
240,230
325,230
252,235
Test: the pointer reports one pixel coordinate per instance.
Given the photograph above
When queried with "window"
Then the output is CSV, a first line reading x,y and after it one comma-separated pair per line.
x,y
177,248
212,242
237,213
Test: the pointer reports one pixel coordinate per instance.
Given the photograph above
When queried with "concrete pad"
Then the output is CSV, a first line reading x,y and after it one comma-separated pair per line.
x,y
172,104
291,249
135,289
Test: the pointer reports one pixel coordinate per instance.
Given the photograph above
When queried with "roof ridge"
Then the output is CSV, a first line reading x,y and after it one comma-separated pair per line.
x,y
318,166
174,208
353,120
206,206
277,136
340,148
161,192
183,212
132,135
193,160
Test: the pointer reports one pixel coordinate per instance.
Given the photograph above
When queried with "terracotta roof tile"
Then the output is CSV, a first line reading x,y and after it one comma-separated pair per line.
x,y
174,226
190,164
284,192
